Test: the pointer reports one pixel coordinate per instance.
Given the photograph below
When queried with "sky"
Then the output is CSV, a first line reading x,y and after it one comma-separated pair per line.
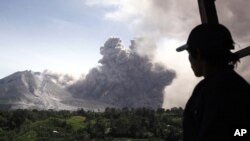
x,y
58,35
65,35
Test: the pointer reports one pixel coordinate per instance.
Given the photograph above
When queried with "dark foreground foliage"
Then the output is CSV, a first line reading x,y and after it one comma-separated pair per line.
x,y
111,125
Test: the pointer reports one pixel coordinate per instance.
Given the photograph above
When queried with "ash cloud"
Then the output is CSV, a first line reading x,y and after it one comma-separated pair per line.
x,y
169,18
124,78
63,80
173,20
235,15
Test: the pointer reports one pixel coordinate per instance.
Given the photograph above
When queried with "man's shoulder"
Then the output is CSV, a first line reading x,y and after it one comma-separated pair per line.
x,y
227,84
229,79
224,84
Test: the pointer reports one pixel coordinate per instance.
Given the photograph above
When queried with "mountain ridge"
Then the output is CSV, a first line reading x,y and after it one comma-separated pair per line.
x,y
36,90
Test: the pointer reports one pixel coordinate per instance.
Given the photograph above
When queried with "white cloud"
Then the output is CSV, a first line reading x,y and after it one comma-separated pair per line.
x,y
122,10
129,10
103,2
180,90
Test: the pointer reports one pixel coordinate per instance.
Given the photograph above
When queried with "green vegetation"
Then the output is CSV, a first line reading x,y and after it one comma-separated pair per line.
x,y
111,125
128,139
77,122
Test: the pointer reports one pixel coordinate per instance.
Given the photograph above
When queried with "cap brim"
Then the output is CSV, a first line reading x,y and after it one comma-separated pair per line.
x,y
181,48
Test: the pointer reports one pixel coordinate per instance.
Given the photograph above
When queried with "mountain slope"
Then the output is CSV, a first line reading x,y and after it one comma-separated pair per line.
x,y
34,90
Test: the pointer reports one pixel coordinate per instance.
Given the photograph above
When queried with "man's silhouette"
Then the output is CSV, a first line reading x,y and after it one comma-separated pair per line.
x,y
221,101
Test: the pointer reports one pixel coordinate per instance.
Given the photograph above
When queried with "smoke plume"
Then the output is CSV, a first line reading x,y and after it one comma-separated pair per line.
x,y
172,20
124,78
63,80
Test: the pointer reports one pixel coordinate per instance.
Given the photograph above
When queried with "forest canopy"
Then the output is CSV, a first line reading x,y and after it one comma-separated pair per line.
x,y
140,124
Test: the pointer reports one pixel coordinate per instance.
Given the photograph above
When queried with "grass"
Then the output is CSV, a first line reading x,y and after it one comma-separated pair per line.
x,y
76,122
128,139
44,129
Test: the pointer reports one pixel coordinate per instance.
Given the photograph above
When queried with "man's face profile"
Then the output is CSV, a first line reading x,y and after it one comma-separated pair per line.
x,y
195,63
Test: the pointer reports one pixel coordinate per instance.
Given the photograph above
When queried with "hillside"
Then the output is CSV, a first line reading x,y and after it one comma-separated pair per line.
x,y
35,90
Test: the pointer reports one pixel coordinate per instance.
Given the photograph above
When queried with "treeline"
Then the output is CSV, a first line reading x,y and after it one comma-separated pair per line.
x,y
140,124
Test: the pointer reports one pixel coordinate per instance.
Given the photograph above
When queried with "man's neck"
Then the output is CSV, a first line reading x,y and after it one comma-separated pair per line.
x,y
209,70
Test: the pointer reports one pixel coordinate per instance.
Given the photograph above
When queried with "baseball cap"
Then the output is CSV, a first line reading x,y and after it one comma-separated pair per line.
x,y
214,37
